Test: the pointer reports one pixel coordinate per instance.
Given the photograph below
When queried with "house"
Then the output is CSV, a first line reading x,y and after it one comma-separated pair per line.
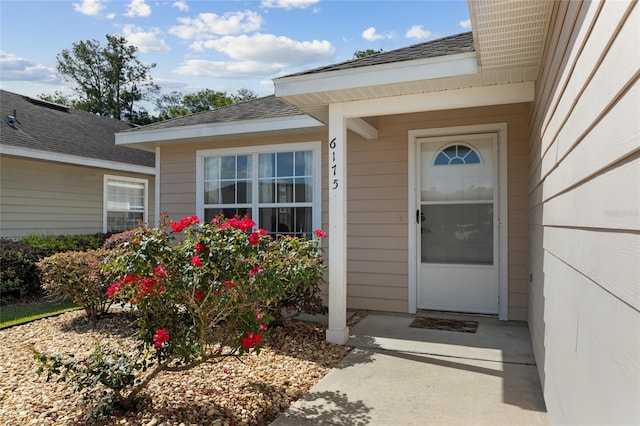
x,y
493,172
62,173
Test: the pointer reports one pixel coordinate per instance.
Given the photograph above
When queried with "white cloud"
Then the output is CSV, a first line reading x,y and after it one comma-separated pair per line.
x,y
371,34
145,41
138,8
89,7
259,55
268,48
418,32
15,68
466,24
181,5
209,24
221,69
288,4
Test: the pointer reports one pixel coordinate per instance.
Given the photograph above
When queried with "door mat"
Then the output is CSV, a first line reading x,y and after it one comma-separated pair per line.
x,y
445,324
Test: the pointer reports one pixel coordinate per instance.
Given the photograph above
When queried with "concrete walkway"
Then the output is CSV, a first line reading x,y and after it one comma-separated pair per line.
x,y
400,375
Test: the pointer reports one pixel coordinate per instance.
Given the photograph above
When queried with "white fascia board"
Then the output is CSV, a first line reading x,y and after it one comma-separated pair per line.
x,y
397,72
446,99
217,129
36,154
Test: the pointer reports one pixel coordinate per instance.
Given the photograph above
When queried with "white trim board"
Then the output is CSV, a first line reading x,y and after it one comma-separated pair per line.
x,y
396,72
501,130
217,129
35,154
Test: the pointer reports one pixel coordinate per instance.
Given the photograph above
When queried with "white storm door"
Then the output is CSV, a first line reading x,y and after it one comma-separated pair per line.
x,y
458,241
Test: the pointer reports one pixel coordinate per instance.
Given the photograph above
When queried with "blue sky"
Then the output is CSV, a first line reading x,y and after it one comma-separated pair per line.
x,y
219,45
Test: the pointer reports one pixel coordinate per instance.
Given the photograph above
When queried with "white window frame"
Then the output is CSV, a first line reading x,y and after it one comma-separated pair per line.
x,y
315,147
105,196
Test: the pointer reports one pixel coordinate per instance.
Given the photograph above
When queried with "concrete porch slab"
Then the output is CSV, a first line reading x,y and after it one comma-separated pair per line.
x,y
397,375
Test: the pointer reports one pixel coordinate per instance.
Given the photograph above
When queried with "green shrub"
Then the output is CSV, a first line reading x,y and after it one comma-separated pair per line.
x,y
51,244
19,275
78,276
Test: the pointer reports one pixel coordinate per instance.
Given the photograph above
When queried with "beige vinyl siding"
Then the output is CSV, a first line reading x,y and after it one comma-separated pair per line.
x,y
584,196
53,198
377,245
377,206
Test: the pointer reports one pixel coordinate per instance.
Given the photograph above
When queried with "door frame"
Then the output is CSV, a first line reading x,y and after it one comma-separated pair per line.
x,y
413,205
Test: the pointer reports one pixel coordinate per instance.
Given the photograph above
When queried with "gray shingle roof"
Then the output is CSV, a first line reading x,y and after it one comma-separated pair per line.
x,y
47,127
261,108
451,45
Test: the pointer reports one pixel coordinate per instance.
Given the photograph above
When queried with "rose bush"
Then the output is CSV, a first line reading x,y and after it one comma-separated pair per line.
x,y
200,292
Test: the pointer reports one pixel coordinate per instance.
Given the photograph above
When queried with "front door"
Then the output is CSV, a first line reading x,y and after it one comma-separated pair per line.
x,y
458,216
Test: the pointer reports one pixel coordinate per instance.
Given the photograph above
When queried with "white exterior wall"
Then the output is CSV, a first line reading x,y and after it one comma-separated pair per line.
x,y
584,200
50,198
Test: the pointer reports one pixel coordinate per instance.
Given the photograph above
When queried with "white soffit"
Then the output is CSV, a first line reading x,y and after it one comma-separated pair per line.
x,y
509,34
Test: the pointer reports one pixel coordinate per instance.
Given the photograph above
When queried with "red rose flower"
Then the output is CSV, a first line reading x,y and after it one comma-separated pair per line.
x,y
254,238
247,343
197,294
229,284
177,227
263,327
146,286
160,338
320,233
113,290
263,231
160,271
251,340
184,222
130,278
201,247
255,270
196,261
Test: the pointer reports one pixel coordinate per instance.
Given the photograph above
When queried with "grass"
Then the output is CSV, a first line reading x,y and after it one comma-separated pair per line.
x,y
22,313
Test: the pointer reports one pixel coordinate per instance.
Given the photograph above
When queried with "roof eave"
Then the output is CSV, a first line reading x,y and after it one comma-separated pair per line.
x,y
211,131
388,74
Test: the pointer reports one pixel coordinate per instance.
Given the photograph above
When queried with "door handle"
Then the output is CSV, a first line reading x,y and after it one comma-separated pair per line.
x,y
418,216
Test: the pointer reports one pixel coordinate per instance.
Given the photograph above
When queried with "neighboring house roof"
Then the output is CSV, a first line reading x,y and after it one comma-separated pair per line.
x,y
49,131
451,45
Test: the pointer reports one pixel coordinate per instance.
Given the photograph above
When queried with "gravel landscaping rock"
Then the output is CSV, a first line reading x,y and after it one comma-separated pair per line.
x,y
252,390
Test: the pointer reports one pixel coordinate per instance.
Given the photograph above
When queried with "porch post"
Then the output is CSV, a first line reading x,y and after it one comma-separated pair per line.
x,y
337,331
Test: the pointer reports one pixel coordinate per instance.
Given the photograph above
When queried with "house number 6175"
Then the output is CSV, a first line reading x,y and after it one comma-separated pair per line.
x,y
334,166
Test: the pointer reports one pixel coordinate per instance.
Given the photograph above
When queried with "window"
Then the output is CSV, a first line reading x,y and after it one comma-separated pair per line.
x,y
456,154
125,203
277,186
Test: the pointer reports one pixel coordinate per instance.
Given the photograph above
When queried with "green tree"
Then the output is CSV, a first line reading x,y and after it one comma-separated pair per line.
x,y
109,80
58,98
170,106
175,104
243,95
362,53
205,100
